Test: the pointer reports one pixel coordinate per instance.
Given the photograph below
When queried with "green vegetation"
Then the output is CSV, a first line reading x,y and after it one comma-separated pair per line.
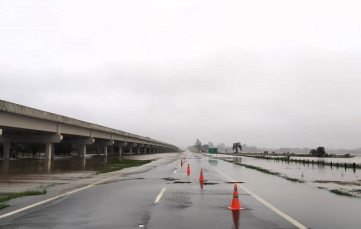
x,y
320,152
85,177
259,169
50,185
271,173
2,205
6,198
293,179
341,193
115,165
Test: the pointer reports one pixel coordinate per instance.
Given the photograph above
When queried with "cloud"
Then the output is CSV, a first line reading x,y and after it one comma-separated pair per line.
x,y
231,96
266,74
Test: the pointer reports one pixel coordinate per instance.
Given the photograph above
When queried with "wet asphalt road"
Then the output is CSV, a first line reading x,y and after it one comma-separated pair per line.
x,y
129,202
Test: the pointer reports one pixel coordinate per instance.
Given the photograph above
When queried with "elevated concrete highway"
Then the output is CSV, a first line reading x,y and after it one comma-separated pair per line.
x,y
21,124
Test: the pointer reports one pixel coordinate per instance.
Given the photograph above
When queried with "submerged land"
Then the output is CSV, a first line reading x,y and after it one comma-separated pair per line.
x,y
39,181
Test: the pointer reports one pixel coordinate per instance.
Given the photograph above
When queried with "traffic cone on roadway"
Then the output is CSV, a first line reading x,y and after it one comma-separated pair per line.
x,y
188,170
201,178
235,201
181,162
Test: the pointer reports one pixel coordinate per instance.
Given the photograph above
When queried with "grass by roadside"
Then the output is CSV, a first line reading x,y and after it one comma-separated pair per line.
x,y
6,198
292,179
2,205
115,165
341,193
259,169
270,172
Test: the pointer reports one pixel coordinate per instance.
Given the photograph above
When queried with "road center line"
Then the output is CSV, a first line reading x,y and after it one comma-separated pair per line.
x,y
159,195
59,196
270,206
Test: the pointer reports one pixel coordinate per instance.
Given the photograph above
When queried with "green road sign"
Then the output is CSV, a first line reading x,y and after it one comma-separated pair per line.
x,y
213,150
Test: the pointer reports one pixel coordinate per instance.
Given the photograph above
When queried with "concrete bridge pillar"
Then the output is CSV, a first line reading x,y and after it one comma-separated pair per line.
x,y
47,166
131,150
105,150
83,164
48,150
138,150
83,151
120,145
53,151
6,151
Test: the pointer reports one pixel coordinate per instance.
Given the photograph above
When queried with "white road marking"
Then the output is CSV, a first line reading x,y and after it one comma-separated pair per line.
x,y
58,196
279,212
174,171
159,195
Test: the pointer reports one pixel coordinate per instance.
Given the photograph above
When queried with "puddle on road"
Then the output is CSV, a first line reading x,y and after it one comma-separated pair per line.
x,y
209,183
182,182
170,179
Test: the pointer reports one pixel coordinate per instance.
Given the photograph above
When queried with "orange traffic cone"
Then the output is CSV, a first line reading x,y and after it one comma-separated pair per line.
x,y
181,162
235,201
188,170
201,179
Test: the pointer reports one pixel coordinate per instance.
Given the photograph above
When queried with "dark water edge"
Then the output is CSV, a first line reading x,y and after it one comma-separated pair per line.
x,y
28,166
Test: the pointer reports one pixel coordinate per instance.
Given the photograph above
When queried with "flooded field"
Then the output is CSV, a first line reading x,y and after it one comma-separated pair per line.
x,y
318,175
59,165
356,159
307,172
62,173
313,206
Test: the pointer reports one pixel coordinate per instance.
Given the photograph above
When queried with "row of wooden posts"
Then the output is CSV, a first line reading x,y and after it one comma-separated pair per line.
x,y
287,159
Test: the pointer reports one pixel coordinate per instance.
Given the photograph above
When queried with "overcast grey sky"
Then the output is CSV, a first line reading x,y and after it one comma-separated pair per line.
x,y
266,73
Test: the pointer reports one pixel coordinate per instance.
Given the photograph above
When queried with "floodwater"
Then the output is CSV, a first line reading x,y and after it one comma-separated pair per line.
x,y
307,171
58,165
356,159
305,202
311,173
